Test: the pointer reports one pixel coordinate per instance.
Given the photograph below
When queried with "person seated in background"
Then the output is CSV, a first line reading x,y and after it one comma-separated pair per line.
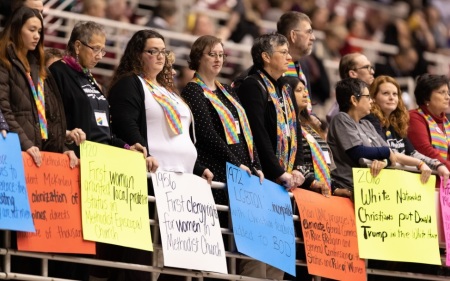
x,y
351,138
391,120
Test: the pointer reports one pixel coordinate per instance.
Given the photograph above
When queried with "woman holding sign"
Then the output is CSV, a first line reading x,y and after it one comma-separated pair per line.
x,y
29,98
351,138
146,109
81,92
222,129
391,120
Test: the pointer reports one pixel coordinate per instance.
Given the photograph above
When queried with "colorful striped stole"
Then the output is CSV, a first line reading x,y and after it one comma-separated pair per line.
x,y
168,106
39,99
439,140
321,169
226,117
286,125
292,71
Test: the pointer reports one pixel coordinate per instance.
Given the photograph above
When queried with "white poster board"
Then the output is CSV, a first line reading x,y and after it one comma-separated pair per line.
x,y
189,224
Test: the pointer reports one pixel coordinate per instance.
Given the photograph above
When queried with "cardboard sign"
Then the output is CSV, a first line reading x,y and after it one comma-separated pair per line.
x,y
395,212
114,196
329,233
54,194
189,223
262,219
15,213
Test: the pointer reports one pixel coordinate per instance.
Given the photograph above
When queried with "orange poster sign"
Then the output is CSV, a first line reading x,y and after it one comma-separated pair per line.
x,y
329,233
54,195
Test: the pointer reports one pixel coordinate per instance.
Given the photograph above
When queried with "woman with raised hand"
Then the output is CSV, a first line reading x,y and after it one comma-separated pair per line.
x,y
29,97
221,125
429,128
391,120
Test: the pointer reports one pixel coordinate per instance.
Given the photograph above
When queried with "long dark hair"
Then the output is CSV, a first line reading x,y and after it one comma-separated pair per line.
x,y
131,62
11,36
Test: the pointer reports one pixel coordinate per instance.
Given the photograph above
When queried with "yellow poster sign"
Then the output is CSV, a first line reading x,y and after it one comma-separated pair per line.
x,y
114,200
395,213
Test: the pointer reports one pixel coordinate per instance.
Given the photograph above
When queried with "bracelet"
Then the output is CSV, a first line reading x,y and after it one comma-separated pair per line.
x,y
312,184
420,165
437,166
127,146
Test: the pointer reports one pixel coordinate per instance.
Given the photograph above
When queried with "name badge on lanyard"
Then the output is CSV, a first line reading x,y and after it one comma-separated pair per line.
x,y
101,118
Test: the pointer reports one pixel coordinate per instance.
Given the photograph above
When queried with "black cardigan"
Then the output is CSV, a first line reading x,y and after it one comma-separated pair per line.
x,y
262,117
127,108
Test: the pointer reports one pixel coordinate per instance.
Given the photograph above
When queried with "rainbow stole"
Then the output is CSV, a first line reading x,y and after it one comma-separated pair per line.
x,y
39,99
226,117
321,170
168,106
292,72
440,141
285,157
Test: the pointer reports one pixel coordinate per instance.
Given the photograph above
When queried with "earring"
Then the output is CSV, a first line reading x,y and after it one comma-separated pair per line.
x,y
76,57
428,104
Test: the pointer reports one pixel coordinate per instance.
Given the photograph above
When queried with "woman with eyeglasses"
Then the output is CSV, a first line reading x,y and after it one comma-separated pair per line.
x,y
391,120
429,128
221,125
84,102
146,109
351,138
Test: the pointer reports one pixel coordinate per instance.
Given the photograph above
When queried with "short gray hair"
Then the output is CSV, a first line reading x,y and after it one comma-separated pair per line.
x,y
83,32
266,43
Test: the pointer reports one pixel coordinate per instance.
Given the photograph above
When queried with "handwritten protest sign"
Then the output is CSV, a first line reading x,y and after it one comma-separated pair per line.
x,y
393,211
15,213
114,198
189,223
445,209
262,219
54,194
329,233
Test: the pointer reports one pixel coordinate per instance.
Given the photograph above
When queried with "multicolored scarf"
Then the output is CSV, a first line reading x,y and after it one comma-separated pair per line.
x,y
321,170
228,121
292,71
75,65
168,106
39,99
439,140
286,125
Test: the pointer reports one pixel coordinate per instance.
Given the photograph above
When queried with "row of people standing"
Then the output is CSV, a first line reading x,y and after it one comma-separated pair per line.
x,y
264,115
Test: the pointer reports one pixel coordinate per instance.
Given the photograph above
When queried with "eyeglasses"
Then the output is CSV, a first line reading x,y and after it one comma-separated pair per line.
x,y
308,31
368,67
284,52
443,92
96,50
155,52
360,96
215,55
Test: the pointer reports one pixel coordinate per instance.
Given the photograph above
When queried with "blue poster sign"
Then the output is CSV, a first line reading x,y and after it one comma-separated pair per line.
x,y
262,219
15,213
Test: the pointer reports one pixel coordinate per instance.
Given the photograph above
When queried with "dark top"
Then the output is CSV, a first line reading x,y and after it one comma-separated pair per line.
x,y
262,116
127,106
82,100
213,150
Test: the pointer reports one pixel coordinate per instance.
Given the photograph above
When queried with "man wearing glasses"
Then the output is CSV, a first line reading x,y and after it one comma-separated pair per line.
x,y
296,27
354,65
